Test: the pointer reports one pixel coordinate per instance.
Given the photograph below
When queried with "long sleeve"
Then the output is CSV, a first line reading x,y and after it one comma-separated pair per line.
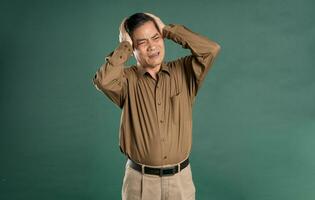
x,y
110,78
203,51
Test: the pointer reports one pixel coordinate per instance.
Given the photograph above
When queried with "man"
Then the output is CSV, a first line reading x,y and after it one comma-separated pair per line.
x,y
156,99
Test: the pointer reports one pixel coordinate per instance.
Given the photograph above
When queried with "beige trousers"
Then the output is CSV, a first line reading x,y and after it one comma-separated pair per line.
x,y
138,186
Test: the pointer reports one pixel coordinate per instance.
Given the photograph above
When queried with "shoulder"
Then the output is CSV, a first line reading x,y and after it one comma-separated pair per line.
x,y
130,71
179,64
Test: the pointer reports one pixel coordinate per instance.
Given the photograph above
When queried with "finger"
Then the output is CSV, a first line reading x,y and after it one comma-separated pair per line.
x,y
157,20
122,25
151,15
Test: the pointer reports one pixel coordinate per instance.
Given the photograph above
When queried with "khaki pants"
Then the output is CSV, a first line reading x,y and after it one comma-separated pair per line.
x,y
138,186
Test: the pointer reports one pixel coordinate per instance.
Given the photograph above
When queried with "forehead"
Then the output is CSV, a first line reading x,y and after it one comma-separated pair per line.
x,y
146,30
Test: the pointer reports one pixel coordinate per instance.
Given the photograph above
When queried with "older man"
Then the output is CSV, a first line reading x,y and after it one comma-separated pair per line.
x,y
156,98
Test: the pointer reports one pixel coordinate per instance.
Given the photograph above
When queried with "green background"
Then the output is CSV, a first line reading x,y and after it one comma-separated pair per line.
x,y
254,118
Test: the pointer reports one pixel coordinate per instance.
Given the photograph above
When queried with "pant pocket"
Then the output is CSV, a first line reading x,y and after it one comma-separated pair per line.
x,y
187,184
132,185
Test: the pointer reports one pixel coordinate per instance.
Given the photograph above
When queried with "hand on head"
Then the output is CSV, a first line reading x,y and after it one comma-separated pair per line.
x,y
159,22
123,35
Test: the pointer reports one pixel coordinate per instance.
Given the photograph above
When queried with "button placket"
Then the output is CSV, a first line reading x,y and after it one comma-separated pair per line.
x,y
160,116
159,104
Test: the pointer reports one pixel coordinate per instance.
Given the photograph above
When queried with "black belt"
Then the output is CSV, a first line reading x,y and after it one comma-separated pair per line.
x,y
167,171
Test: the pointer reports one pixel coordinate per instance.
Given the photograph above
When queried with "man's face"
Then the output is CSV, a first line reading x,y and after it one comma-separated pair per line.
x,y
148,45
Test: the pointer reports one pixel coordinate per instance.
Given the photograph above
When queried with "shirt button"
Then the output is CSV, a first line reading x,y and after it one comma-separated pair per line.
x,y
165,157
161,121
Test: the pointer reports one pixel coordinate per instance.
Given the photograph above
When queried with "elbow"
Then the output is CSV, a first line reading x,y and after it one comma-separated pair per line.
x,y
216,49
96,85
212,53
99,83
212,49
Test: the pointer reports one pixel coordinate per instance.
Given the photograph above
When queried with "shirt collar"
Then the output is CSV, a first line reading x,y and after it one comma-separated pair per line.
x,y
164,67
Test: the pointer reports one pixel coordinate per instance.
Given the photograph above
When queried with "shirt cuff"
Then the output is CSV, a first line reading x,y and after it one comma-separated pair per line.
x,y
121,54
166,30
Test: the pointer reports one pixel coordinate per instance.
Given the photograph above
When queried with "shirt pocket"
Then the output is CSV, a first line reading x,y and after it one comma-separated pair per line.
x,y
176,87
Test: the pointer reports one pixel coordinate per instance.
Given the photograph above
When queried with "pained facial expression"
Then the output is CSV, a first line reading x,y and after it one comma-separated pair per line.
x,y
148,45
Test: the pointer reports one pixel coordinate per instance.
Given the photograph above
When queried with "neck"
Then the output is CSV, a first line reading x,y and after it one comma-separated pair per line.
x,y
152,70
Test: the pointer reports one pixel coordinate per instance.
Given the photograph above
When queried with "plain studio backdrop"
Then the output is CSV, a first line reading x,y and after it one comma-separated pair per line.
x,y
254,117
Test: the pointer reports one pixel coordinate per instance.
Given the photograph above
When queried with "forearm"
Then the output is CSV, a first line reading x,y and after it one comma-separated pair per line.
x,y
200,46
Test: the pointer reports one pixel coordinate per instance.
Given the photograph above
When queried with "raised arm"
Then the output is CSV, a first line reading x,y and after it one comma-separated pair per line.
x,y
109,78
203,53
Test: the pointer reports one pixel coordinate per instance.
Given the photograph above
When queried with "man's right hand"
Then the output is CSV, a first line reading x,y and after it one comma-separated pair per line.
x,y
123,35
158,21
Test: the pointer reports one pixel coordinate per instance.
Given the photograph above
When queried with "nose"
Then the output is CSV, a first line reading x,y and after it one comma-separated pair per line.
x,y
151,46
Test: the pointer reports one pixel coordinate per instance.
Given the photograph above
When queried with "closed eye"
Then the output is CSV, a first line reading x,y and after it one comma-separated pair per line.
x,y
155,37
141,42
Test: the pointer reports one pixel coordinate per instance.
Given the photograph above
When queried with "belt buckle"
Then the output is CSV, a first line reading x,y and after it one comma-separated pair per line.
x,y
167,171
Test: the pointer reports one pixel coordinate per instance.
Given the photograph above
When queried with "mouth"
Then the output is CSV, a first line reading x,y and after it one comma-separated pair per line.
x,y
154,55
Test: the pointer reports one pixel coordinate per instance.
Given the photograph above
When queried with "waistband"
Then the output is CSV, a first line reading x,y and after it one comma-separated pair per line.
x,y
165,171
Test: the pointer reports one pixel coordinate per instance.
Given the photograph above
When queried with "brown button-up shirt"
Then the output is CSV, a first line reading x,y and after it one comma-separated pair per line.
x,y
156,121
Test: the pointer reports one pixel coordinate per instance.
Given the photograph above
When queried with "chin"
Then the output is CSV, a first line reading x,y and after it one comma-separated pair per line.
x,y
153,65
157,63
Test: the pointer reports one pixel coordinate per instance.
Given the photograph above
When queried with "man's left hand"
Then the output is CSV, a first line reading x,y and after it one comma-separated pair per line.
x,y
159,22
